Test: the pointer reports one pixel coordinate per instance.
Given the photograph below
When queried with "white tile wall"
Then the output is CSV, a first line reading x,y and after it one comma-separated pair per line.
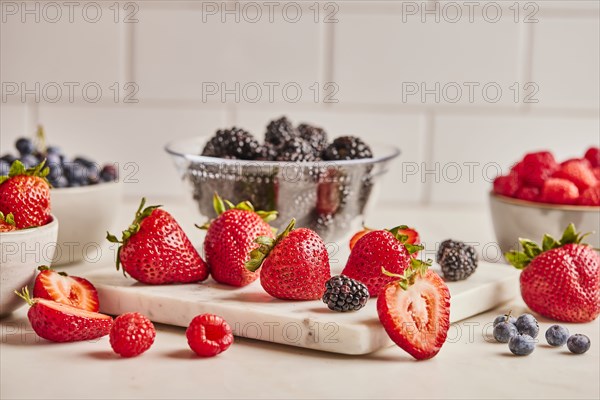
x,y
368,53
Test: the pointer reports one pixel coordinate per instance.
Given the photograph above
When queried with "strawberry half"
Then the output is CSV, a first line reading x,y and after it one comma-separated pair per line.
x,y
26,194
414,310
231,237
7,222
59,322
62,288
155,250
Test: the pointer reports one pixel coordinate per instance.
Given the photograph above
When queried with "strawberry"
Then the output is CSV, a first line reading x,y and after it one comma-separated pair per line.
x,y
131,334
389,249
358,235
155,250
71,290
590,197
560,280
559,191
295,265
528,193
59,322
414,310
596,171
26,194
230,238
593,156
577,171
536,168
506,185
7,223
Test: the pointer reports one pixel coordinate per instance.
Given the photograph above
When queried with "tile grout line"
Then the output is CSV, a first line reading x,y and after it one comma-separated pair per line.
x,y
327,58
428,156
525,63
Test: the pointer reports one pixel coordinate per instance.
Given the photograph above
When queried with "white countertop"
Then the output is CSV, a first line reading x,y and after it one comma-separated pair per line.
x,y
470,365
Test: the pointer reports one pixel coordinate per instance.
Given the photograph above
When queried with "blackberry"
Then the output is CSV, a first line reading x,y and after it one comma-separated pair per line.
x,y
347,148
450,244
315,136
457,263
268,152
279,132
296,149
345,294
232,143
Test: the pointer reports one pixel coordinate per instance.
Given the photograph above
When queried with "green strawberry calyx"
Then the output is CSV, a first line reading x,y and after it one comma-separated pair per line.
x,y
402,238
24,294
141,213
8,219
18,168
221,206
266,244
416,270
521,259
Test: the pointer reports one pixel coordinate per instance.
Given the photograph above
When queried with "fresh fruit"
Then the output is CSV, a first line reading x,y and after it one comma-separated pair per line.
x,y
296,149
521,344
579,172
315,136
155,250
457,259
528,325
557,335
26,194
389,249
345,294
590,197
528,193
414,310
504,331
596,171
536,168
506,185
7,223
295,265
71,290
347,148
359,235
578,344
559,191
560,280
505,318
131,334
232,143
25,146
209,335
280,131
593,156
231,237
59,322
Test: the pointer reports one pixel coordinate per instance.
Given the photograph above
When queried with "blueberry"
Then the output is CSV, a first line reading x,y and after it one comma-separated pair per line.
x,y
30,160
557,335
502,318
59,182
578,344
4,168
54,150
9,158
521,344
108,173
84,161
24,146
75,173
504,331
528,325
55,166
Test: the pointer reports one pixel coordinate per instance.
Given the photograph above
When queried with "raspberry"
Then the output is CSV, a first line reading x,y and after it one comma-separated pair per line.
x,y
593,156
528,193
578,172
590,197
345,294
209,335
506,185
559,191
536,168
131,334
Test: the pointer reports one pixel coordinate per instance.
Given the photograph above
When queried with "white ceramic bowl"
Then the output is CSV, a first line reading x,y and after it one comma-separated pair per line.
x,y
21,252
514,219
85,214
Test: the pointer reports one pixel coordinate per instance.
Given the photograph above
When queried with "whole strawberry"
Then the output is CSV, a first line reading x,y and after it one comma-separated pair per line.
x,y
7,222
26,194
389,249
231,237
155,250
295,265
131,334
560,280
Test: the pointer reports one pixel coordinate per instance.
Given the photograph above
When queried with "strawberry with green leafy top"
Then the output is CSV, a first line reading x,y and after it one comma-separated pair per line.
x,y
7,223
231,237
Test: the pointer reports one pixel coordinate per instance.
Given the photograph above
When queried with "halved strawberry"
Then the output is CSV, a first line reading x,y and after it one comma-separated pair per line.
x,y
358,235
71,290
59,322
415,311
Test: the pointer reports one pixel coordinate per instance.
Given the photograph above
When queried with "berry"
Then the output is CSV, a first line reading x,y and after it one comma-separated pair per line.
x,y
109,173
593,156
25,146
506,185
231,237
521,344
296,149
596,171
578,344
528,193
53,150
577,171
505,318
559,191
557,335
453,244
71,290
4,168
155,250
131,334
536,168
590,197
347,148
30,160
357,236
504,331
209,335
232,143
295,266
315,136
345,294
279,132
414,310
560,280
528,325
7,222
457,259
8,158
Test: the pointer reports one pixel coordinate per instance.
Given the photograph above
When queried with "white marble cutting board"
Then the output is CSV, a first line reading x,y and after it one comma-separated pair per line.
x,y
252,313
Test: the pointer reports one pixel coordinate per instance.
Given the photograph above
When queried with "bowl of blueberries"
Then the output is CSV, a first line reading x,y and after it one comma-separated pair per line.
x,y
85,196
327,185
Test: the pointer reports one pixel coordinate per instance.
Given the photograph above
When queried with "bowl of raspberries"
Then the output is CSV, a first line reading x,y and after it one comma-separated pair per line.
x,y
541,195
326,184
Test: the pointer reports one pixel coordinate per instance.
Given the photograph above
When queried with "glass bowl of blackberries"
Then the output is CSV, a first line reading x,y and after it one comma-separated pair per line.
x,y
85,196
327,185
